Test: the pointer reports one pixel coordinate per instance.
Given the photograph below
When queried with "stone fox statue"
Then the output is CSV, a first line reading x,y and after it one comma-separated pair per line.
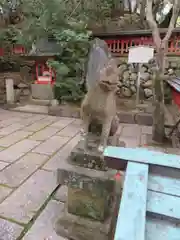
x,y
99,104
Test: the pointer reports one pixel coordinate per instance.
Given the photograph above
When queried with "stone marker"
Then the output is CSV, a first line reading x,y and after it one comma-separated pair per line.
x,y
10,91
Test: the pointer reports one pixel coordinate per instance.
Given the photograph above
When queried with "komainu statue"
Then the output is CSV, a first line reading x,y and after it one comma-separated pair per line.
x,y
98,109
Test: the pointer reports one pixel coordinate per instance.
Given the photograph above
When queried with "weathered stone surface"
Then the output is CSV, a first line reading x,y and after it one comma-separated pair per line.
x,y
44,134
25,201
87,204
4,192
10,129
62,123
130,141
144,119
36,126
32,109
51,145
13,138
16,173
62,193
69,131
32,119
17,150
59,160
9,120
148,92
91,159
43,228
42,91
3,165
78,228
126,92
9,230
61,111
87,196
131,131
147,84
146,129
126,117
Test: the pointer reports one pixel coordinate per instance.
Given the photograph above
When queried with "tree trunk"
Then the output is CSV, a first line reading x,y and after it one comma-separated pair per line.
x,y
158,115
158,134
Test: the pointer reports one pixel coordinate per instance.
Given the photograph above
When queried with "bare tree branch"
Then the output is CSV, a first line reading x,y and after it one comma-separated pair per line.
x,y
129,6
152,23
176,8
142,9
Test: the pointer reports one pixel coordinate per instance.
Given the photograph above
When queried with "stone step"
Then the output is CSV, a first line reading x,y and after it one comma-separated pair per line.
x,y
39,102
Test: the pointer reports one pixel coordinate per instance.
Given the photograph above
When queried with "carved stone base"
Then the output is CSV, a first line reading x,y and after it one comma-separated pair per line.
x,y
89,204
89,197
78,228
92,158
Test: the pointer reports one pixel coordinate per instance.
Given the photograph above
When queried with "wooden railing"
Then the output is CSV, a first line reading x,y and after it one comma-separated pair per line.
x,y
121,46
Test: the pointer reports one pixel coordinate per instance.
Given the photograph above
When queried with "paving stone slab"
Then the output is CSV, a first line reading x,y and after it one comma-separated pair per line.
x,y
38,125
31,120
77,122
25,201
130,141
9,230
43,228
3,165
32,109
61,194
10,129
51,145
4,192
62,123
13,138
17,150
69,131
44,134
16,173
59,159
132,130
146,130
8,120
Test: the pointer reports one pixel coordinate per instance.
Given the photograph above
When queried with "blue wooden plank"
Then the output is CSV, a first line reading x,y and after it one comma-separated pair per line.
x,y
163,204
164,184
157,229
132,213
142,155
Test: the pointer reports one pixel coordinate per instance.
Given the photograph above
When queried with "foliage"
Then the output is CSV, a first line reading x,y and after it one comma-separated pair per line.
x,y
44,19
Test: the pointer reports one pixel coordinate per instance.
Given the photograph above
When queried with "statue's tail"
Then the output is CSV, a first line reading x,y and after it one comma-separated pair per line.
x,y
99,57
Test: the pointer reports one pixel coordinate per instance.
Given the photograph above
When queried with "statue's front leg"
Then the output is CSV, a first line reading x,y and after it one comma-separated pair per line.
x,y
105,134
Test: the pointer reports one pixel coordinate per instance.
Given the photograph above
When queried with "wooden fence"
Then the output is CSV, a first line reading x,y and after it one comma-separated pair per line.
x,y
121,46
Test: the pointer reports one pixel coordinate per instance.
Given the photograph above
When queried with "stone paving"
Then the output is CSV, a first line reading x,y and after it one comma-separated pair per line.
x,y
32,147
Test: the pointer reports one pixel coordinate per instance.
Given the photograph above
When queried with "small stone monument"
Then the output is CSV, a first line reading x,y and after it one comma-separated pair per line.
x,y
10,96
88,213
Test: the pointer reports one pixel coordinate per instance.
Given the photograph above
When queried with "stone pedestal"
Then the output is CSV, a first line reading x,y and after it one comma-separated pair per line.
x,y
88,208
77,228
92,158
42,91
89,213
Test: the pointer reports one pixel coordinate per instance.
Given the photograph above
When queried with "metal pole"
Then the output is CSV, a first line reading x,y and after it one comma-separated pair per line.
x,y
138,83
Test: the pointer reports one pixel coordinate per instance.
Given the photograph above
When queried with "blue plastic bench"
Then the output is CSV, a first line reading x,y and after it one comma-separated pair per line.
x,y
150,203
